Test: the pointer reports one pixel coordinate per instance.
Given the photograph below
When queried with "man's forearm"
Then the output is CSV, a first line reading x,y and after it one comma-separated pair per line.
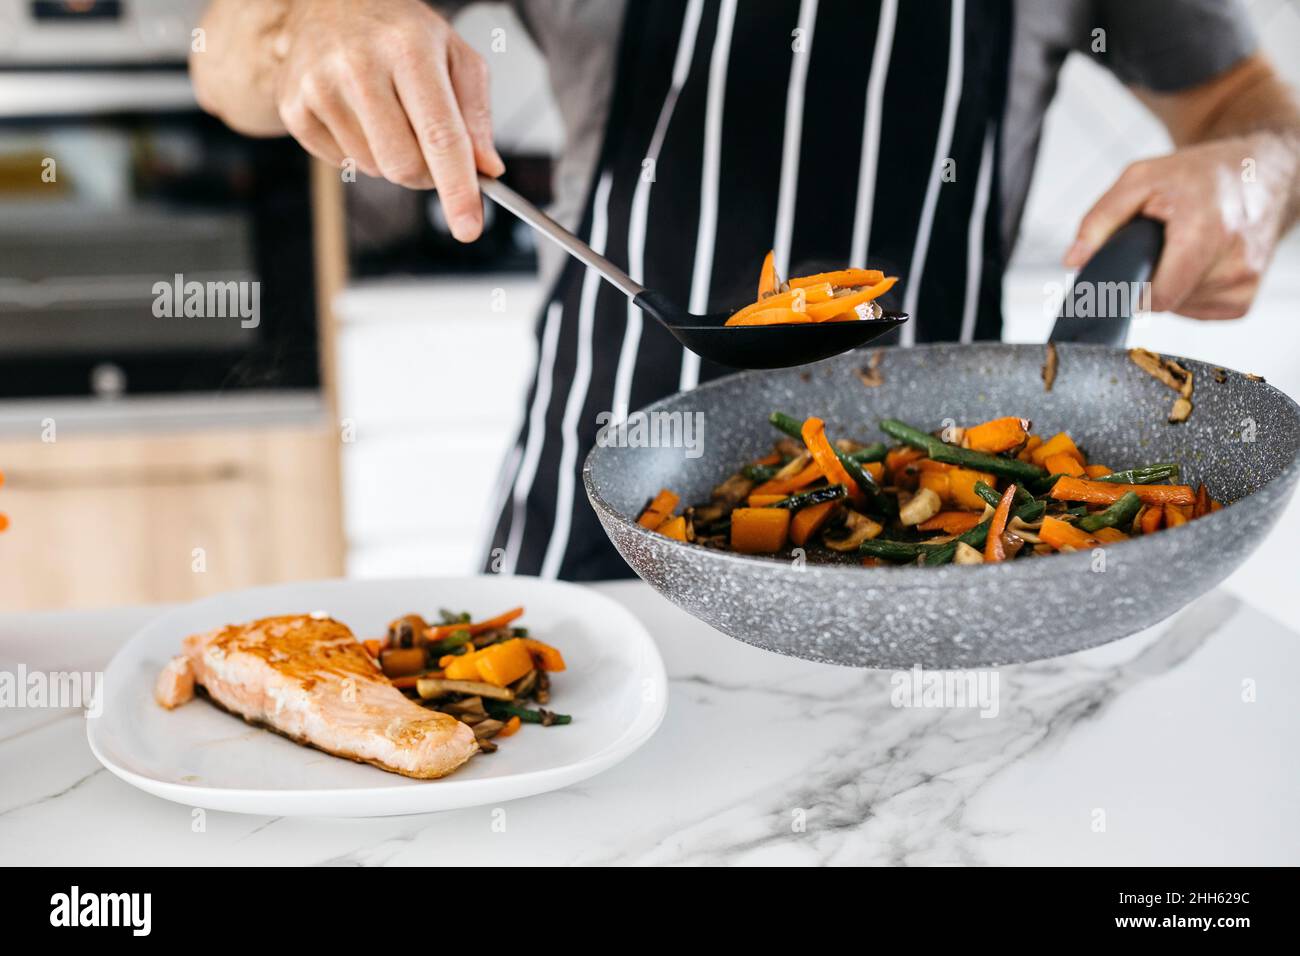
x,y
232,75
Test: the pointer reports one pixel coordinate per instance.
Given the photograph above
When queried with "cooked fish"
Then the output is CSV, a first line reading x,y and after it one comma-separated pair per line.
x,y
309,679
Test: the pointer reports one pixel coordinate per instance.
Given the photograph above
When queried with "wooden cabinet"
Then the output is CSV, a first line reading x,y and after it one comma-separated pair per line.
x,y
102,520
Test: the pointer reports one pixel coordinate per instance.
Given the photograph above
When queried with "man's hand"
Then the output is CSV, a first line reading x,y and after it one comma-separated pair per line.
x,y
1220,228
1226,196
388,84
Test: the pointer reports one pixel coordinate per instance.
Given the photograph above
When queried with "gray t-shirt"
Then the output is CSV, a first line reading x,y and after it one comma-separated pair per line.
x,y
1161,45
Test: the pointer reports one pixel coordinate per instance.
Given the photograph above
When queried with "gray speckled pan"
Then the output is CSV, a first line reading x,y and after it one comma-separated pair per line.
x,y
961,616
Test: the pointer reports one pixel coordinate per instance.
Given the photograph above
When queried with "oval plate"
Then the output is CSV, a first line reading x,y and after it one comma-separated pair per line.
x,y
200,756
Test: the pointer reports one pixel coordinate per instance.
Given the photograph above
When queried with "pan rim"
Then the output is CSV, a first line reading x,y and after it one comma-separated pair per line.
x,y
909,575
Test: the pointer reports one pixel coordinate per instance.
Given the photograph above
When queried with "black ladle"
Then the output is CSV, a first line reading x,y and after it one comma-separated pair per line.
x,y
741,346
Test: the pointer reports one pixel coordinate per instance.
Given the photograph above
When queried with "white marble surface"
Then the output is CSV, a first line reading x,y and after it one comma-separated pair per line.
x,y
1152,730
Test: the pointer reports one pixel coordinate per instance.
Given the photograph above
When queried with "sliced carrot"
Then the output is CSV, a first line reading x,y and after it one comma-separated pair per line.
x,y
772,459
1061,535
759,530
1109,535
808,521
659,509
814,436
504,663
792,300
1202,506
937,481
896,459
994,549
1063,463
843,307
1026,453
464,667
961,486
767,276
1152,518
674,528
998,435
1095,471
929,464
481,627
762,501
1174,516
1060,442
876,470
1215,506
840,278
778,316
512,725
548,658
951,522
786,486
1105,492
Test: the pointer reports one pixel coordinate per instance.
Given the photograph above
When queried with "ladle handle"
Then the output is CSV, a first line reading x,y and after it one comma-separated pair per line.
x,y
1108,289
508,199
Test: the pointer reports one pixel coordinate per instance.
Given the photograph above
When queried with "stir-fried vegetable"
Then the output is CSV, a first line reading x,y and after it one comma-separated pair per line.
x,y
988,493
464,668
844,295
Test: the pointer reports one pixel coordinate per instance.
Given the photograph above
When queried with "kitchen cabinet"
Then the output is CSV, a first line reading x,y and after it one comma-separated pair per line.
x,y
99,520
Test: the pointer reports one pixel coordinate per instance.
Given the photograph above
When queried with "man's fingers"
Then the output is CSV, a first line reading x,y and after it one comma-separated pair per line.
x,y
392,142
345,128
304,126
469,78
425,91
1117,206
1184,261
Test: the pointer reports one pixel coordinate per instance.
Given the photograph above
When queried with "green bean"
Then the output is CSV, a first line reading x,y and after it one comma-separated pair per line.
x,y
815,497
1147,475
1121,513
544,717
788,424
964,457
873,452
452,643
893,550
992,497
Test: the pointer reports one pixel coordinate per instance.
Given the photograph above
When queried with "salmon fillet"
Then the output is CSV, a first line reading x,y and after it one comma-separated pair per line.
x,y
309,679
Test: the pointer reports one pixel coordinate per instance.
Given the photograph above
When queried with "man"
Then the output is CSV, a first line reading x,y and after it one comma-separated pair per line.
x,y
702,132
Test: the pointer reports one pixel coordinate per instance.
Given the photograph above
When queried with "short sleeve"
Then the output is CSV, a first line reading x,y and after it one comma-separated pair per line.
x,y
1168,45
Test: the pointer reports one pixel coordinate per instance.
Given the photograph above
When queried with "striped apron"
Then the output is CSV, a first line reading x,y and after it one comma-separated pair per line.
x,y
832,131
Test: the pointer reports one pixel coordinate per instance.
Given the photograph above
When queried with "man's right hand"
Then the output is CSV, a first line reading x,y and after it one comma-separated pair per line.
x,y
387,84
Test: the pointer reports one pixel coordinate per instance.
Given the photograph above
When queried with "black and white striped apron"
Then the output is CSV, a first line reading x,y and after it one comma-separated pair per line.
x,y
832,131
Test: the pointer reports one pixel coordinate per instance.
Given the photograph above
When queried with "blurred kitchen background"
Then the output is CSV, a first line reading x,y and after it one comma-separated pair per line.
x,y
358,427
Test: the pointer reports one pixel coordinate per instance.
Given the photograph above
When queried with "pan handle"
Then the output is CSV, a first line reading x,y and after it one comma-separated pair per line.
x,y
1101,303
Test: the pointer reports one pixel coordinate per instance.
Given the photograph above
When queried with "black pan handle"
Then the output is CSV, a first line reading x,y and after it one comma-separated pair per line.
x,y
1100,306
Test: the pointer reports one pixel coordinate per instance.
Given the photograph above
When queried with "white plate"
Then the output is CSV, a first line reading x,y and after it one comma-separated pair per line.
x,y
197,755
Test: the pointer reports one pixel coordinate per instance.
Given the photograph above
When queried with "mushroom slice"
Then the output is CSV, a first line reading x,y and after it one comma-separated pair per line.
x,y
860,528
922,506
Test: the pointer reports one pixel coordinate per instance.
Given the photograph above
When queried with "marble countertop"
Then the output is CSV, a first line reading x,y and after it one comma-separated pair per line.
x,y
1174,746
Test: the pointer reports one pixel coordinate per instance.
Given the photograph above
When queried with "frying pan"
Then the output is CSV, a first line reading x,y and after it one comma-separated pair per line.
x,y
955,615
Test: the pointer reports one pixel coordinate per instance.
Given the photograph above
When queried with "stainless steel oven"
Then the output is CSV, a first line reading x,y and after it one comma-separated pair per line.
x,y
144,247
